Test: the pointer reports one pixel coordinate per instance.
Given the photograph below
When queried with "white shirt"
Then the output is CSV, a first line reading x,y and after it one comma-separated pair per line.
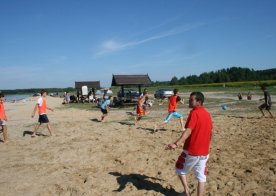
x,y
40,101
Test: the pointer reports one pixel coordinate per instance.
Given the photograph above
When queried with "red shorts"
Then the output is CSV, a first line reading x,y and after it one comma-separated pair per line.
x,y
140,111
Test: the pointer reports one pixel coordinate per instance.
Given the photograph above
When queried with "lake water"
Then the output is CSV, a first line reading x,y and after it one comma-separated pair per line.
x,y
10,98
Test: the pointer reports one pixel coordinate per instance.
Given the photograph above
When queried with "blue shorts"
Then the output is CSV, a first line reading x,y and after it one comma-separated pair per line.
x,y
170,115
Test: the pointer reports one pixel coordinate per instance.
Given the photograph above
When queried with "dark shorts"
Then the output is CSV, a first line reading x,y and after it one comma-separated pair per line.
x,y
104,111
265,106
43,119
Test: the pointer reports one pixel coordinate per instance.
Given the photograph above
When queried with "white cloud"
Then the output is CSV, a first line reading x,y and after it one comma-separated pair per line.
x,y
114,46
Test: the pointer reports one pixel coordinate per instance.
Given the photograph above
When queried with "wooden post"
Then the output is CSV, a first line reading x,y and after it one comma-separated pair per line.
x,y
140,91
123,91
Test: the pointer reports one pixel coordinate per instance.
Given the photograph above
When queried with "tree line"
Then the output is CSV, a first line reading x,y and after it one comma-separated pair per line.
x,y
233,74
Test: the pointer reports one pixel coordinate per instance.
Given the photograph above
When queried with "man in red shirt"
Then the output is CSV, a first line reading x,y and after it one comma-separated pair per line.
x,y
196,139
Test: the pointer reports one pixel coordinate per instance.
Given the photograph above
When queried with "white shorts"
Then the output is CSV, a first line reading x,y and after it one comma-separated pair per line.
x,y
3,122
187,162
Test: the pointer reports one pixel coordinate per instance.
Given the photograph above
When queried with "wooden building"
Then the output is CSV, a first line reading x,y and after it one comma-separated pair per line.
x,y
131,80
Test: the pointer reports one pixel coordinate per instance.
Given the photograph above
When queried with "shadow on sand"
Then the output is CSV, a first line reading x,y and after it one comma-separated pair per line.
x,y
142,182
31,132
151,130
95,120
131,113
126,123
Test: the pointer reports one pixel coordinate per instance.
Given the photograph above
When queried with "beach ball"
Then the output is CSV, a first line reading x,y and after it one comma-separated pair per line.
x,y
224,107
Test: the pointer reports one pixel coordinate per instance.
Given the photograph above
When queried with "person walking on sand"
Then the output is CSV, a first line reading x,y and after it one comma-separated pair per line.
x,y
105,108
173,101
196,139
41,106
3,119
267,104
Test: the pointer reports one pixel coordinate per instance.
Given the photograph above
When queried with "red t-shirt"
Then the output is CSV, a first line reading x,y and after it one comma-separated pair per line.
x,y
200,122
173,103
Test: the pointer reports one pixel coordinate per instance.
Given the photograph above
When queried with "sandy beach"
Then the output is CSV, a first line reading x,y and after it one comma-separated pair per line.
x,y
86,157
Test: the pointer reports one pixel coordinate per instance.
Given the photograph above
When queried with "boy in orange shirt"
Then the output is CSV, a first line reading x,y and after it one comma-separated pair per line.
x,y
3,119
42,107
173,101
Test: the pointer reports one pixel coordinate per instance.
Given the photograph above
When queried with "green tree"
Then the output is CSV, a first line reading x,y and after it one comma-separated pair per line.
x,y
174,81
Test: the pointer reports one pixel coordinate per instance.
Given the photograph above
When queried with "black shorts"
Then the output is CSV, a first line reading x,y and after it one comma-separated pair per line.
x,y
104,111
43,119
265,106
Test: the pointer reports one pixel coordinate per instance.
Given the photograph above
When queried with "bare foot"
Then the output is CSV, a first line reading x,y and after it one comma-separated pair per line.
x,y
5,142
33,135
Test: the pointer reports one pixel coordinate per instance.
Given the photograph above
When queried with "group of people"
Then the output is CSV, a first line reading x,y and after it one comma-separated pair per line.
x,y
195,137
69,98
249,96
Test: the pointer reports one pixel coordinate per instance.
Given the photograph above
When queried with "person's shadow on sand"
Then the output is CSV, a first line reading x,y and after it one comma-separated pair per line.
x,y
131,113
95,120
141,182
126,123
31,132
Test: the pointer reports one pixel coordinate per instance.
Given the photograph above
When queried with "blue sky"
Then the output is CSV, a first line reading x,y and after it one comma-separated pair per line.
x,y
53,43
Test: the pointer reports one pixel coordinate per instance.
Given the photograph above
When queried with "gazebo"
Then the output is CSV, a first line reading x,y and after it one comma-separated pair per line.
x,y
131,80
91,85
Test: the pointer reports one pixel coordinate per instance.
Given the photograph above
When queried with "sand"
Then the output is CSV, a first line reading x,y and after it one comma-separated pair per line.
x,y
85,157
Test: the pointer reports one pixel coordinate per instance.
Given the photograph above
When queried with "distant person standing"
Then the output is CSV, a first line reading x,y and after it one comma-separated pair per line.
x,y
267,101
240,96
41,106
196,139
249,95
3,119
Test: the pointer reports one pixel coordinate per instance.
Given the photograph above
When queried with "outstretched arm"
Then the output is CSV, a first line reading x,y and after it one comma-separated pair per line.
x,y
180,140
50,109
35,108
